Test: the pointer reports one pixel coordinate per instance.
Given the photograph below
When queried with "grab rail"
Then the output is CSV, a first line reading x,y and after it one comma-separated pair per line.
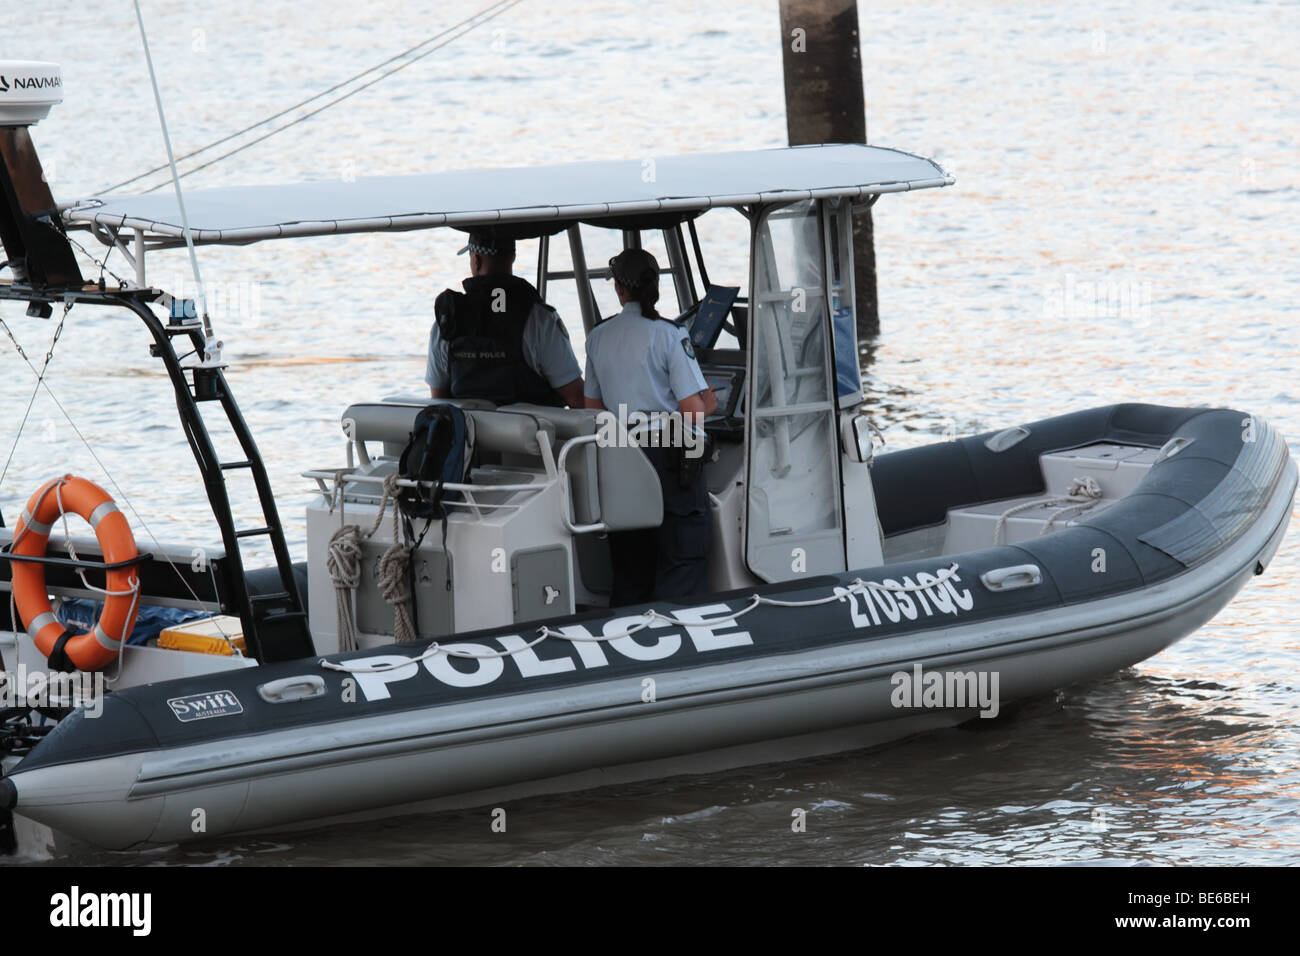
x,y
566,491
469,491
1012,578
7,555
470,502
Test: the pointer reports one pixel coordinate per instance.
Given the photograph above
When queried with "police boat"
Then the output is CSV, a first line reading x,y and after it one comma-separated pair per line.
x,y
410,664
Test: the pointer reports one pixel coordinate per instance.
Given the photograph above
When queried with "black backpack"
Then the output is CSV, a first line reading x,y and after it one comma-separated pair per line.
x,y
438,452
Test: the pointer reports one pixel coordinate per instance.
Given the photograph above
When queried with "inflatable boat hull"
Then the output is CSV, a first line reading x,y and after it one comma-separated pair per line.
x,y
223,753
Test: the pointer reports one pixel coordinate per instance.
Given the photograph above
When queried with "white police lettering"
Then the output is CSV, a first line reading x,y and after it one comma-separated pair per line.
x,y
486,667
704,636
585,643
666,646
530,665
928,595
708,628
374,686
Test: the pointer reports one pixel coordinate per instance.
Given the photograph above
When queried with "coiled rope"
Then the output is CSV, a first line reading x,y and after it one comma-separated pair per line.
x,y
857,586
343,561
1083,493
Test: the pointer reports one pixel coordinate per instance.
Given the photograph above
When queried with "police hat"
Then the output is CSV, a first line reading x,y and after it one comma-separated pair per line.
x,y
634,269
482,244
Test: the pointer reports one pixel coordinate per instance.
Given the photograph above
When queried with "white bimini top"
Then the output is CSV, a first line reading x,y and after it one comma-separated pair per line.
x,y
547,197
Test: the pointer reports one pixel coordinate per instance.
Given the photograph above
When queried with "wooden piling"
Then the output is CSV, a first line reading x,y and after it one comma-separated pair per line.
x,y
824,103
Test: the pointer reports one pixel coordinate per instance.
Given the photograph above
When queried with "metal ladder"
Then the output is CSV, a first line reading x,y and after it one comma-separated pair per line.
x,y
275,624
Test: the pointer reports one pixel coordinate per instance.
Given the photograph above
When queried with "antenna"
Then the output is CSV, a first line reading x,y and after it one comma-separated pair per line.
x,y
30,227
212,349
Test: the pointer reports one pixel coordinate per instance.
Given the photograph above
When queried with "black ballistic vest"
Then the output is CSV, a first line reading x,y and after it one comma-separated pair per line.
x,y
485,345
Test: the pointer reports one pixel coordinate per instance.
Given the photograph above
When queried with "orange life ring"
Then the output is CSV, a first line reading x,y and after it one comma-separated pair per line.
x,y
98,646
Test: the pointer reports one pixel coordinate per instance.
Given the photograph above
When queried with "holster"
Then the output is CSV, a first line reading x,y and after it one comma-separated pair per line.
x,y
689,469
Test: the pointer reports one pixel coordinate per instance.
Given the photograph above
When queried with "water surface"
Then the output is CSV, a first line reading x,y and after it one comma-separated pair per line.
x,y
1123,228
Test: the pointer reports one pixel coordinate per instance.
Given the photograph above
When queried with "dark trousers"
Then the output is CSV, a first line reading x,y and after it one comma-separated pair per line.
x,y
669,562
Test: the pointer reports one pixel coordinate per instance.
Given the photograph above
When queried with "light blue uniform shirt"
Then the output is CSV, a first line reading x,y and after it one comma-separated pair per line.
x,y
545,345
645,364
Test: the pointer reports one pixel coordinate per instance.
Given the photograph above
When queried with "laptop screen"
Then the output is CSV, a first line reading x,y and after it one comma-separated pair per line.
x,y
710,313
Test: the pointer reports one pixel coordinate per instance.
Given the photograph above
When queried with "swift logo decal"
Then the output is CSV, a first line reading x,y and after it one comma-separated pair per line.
x,y
893,602
217,703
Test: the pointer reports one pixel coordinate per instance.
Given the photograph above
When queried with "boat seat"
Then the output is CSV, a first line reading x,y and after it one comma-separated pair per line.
x,y
468,404
1116,468
972,528
616,486
503,433
613,485
568,422
584,482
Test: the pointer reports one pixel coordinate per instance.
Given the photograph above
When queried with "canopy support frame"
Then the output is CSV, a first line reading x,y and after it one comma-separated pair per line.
x,y
275,625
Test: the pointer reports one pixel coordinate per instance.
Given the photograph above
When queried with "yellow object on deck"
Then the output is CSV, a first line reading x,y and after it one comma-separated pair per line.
x,y
212,635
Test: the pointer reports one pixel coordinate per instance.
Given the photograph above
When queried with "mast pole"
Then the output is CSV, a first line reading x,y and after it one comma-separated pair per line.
x,y
176,184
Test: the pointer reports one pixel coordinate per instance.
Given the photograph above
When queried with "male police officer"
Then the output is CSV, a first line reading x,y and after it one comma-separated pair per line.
x,y
498,340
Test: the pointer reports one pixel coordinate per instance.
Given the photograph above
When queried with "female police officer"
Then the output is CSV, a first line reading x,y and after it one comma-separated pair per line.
x,y
638,361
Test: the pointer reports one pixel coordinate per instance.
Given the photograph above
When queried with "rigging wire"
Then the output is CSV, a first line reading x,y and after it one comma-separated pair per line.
x,y
302,103
120,494
176,180
40,378
465,26
102,263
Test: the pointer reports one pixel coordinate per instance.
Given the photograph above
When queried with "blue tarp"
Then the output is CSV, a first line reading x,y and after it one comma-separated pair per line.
x,y
848,377
149,622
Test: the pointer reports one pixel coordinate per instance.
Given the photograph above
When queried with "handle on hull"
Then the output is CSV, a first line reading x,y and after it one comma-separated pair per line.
x,y
1013,577
291,688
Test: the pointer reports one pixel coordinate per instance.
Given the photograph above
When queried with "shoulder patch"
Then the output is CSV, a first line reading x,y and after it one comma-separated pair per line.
x,y
688,347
